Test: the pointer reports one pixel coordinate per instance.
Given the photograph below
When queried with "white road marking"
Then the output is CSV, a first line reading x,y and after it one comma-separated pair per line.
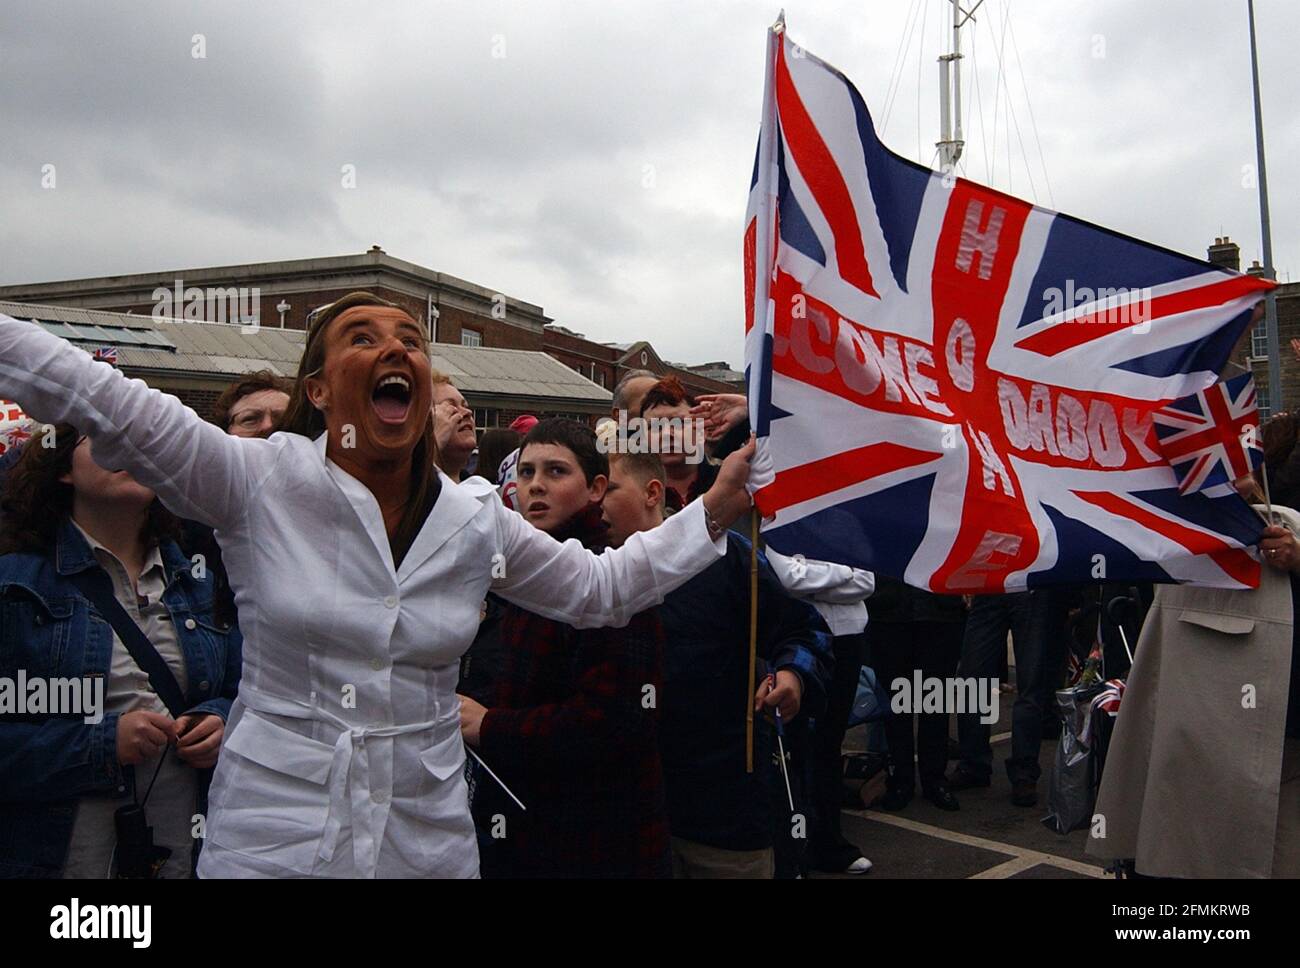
x,y
1021,857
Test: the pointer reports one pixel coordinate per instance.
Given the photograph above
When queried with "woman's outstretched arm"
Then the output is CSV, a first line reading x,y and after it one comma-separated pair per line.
x,y
195,468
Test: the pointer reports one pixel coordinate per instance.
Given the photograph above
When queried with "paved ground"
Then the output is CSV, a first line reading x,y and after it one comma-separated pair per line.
x,y
988,837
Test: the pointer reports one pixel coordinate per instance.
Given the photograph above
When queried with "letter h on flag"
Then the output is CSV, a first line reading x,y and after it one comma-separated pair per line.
x,y
957,388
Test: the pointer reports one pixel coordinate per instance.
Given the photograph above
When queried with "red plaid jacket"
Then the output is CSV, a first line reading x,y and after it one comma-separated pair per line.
x,y
572,729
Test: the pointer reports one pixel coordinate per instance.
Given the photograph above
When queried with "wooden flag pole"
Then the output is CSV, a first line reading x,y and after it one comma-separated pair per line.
x,y
753,639
1268,500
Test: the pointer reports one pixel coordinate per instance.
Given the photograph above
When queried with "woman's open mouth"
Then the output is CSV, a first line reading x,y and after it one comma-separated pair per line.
x,y
391,399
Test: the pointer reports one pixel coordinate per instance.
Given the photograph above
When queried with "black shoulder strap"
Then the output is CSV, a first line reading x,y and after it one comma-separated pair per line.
x,y
97,587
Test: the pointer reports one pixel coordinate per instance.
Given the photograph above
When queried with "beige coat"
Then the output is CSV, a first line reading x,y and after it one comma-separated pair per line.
x,y
1192,776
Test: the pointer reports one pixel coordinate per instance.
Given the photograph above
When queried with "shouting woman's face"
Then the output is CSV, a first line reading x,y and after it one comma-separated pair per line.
x,y
374,387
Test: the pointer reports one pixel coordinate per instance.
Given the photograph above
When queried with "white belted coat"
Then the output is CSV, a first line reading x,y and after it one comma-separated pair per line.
x,y
343,755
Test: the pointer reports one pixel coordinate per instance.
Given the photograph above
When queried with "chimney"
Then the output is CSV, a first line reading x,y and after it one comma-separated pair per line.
x,y
1225,253
1255,269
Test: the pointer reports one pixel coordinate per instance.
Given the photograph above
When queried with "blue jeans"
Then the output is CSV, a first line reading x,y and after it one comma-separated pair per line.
x,y
1029,618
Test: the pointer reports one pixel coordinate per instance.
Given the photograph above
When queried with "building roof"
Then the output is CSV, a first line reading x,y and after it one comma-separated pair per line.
x,y
197,349
517,372
357,267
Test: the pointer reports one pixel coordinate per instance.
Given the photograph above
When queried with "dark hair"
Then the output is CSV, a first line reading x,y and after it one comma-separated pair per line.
x,y
579,438
668,391
35,502
493,448
250,384
1277,438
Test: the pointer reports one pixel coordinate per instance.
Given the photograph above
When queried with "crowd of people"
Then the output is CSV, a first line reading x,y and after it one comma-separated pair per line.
x,y
340,634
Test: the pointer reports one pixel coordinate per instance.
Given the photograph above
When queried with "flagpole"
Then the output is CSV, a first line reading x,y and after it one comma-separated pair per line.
x,y
763,216
761,314
1275,401
753,639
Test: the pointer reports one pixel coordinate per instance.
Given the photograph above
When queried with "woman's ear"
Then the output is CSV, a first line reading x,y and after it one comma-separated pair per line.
x,y
317,392
597,488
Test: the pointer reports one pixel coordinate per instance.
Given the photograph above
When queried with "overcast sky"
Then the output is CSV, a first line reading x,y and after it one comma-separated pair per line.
x,y
594,157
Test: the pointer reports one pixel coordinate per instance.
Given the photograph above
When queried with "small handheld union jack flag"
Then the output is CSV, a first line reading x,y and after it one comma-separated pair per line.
x,y
106,353
1211,437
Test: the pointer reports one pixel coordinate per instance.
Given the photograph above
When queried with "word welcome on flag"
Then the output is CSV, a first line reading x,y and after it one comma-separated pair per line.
x,y
954,386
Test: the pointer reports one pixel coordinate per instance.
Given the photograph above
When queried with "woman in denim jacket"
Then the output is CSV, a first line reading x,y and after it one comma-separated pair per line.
x,y
64,772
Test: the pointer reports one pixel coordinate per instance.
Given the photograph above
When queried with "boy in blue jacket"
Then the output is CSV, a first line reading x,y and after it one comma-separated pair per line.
x,y
721,817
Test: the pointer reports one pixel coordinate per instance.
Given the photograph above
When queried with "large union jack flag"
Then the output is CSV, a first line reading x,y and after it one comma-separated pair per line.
x,y
955,387
1212,437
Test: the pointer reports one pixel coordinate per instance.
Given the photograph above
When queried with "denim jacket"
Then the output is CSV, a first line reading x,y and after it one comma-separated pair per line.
x,y
49,630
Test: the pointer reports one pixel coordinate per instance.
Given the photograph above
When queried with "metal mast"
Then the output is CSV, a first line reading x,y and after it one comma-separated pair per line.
x,y
950,141
1275,402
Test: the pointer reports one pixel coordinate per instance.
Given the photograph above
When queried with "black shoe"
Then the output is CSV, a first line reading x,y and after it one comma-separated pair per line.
x,y
1024,793
942,797
963,779
897,798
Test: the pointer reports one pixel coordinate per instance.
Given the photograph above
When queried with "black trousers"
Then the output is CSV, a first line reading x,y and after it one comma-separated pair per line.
x,y
897,650
827,843
1035,620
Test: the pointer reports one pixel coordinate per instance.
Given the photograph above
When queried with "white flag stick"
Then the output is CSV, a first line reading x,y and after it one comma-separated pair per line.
x,y
495,777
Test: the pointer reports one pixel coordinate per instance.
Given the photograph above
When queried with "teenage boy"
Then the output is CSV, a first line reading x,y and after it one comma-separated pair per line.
x,y
571,724
721,817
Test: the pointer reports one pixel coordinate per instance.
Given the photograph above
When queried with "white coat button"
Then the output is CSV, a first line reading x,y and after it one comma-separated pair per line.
x,y
377,664
191,624
390,602
379,796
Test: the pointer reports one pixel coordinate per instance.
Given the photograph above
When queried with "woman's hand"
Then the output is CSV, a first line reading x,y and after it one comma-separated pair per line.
x,y
471,719
199,739
1280,548
721,412
142,735
727,499
786,695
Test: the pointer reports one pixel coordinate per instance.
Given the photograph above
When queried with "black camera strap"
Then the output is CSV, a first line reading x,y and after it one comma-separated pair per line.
x,y
97,587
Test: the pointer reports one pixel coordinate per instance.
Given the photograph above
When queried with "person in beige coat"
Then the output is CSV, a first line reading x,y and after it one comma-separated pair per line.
x,y
1202,778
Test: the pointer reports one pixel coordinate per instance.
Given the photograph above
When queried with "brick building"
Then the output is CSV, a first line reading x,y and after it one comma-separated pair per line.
x,y
1252,350
280,295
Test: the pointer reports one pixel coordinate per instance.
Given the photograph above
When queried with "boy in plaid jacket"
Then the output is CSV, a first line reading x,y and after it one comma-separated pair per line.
x,y
570,725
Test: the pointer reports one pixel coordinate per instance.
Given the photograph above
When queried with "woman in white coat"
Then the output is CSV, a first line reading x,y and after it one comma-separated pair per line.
x,y
358,570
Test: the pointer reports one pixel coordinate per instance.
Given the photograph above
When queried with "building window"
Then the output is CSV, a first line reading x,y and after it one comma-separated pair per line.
x,y
485,419
1262,403
471,337
600,378
1259,341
